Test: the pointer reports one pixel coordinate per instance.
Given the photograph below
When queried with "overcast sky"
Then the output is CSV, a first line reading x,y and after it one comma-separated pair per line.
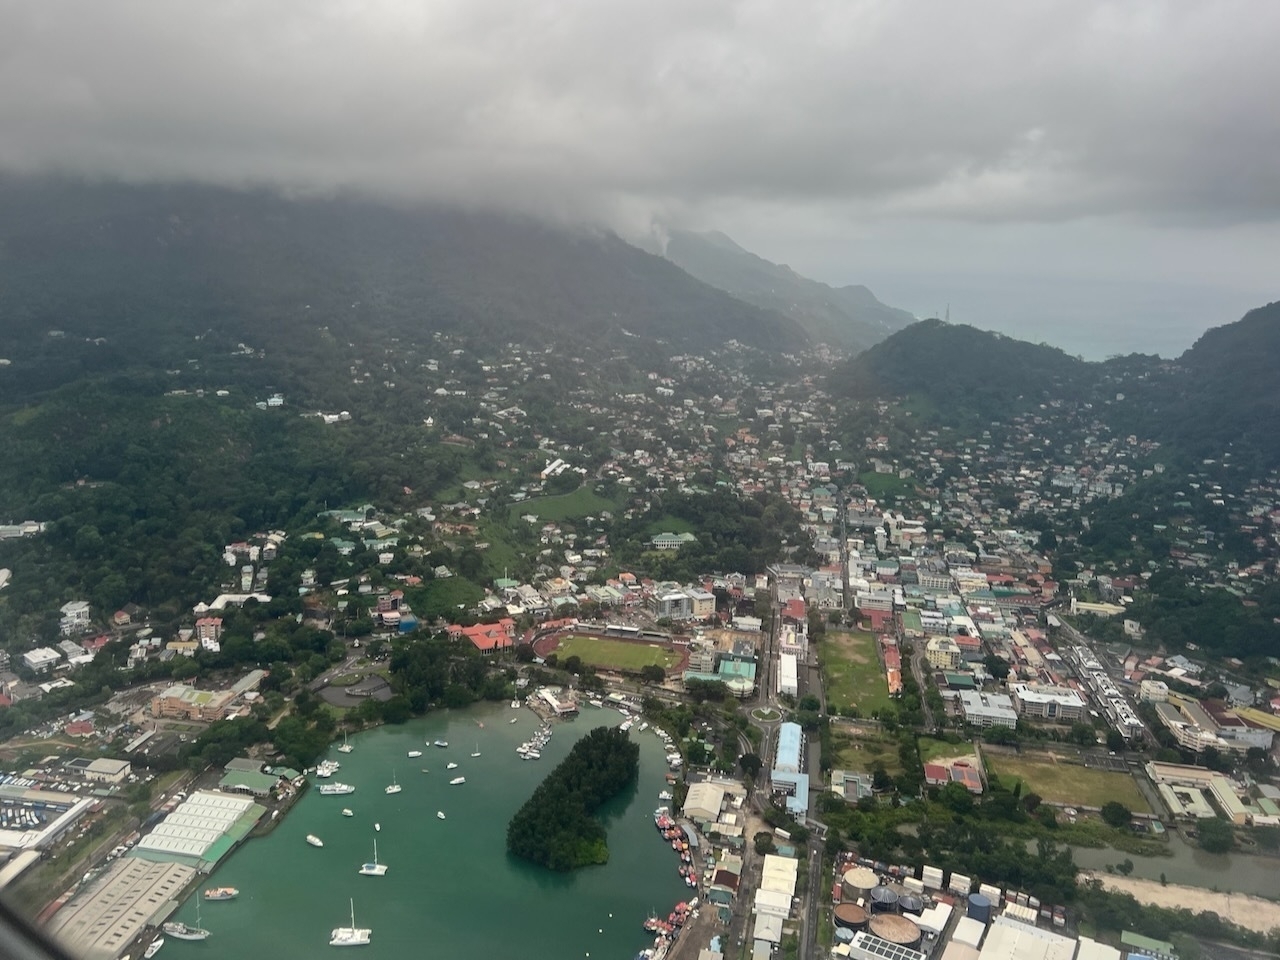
x,y
1076,172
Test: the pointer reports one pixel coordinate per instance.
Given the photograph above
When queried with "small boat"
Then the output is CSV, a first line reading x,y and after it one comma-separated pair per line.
x,y
415,753
665,795
393,786
314,840
513,720
182,931
374,869
378,827
439,814
425,770
476,752
515,704
451,766
336,789
153,948
532,755
346,747
457,780
347,812
442,743
351,936
221,893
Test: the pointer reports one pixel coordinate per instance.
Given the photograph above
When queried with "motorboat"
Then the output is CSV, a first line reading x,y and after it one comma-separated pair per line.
x,y
314,840
515,704
153,948
513,720
457,780
327,768
374,869
377,827
439,814
415,753
451,766
336,789
441,743
351,936
665,795
348,812
221,893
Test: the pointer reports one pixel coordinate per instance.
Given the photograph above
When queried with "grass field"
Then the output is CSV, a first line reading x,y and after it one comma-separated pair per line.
x,y
851,672
1068,782
583,502
931,749
863,753
616,654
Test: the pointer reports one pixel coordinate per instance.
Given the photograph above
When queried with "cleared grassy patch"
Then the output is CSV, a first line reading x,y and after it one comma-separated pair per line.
x,y
1068,782
885,484
583,502
615,654
931,750
864,753
851,672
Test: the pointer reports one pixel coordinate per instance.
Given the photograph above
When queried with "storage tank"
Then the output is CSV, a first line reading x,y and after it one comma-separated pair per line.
x,y
979,908
850,916
909,903
895,929
883,900
844,935
858,882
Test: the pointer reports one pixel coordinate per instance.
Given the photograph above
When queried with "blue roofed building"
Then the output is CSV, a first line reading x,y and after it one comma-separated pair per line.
x,y
786,777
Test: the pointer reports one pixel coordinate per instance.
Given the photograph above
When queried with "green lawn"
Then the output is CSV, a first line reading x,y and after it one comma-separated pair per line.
x,y
583,502
880,484
615,654
931,749
863,753
442,598
851,672
669,524
1068,782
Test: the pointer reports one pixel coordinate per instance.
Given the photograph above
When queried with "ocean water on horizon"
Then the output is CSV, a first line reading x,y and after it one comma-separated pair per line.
x,y
450,888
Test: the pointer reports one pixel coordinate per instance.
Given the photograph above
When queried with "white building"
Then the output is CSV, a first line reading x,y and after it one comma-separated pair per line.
x,y
41,659
1046,702
987,709
943,653
75,617
788,675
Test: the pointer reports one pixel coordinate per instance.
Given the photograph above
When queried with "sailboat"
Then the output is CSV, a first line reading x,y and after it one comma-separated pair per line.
x,y
175,928
351,936
346,747
392,787
476,752
374,869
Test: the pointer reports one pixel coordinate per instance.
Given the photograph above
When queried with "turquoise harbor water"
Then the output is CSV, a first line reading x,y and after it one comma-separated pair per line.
x,y
450,888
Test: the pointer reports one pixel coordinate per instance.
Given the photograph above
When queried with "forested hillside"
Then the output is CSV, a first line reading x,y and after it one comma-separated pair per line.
x,y
849,317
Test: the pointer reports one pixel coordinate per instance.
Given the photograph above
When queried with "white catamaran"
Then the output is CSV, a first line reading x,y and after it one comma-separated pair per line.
x,y
374,869
351,936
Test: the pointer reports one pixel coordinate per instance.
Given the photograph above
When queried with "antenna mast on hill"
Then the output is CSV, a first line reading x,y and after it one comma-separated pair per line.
x,y
948,313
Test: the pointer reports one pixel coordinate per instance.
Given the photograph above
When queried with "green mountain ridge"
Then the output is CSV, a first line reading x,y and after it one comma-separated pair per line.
x,y
145,269
849,317
1220,397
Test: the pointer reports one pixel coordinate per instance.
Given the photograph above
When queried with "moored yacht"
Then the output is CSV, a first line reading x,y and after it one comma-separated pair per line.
x,y
351,936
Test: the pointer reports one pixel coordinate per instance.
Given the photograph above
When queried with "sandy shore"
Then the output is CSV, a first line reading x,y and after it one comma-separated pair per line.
x,y
1252,913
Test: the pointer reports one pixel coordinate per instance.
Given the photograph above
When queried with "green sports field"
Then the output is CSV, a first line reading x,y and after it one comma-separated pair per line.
x,y
616,654
1068,782
851,672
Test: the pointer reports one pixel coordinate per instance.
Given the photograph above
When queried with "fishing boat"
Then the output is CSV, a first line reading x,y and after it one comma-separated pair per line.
x,y
221,893
393,786
415,753
348,812
374,869
476,751
346,747
153,948
442,743
351,936
182,931
451,766
457,780
314,840
336,789
439,814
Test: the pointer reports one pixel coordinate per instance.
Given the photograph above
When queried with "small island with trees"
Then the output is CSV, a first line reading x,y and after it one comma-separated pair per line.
x,y
555,827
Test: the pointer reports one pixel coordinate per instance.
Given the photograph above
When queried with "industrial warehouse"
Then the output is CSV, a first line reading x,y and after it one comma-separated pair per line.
x,y
143,888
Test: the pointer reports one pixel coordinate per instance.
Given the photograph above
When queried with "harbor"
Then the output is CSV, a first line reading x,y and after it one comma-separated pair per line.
x,y
448,881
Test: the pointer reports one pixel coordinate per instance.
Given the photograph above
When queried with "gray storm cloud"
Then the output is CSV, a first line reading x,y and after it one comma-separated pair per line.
x,y
1028,111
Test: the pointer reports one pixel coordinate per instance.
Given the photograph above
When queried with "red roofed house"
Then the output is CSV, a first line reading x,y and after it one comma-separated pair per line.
x,y
796,611
936,775
487,636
